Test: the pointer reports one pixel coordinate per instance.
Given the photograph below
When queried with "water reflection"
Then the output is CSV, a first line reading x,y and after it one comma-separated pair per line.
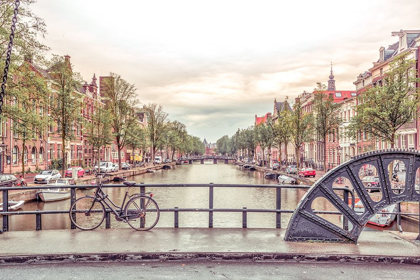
x,y
197,198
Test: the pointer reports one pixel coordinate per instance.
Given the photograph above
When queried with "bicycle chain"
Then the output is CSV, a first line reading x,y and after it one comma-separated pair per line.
x,y
9,53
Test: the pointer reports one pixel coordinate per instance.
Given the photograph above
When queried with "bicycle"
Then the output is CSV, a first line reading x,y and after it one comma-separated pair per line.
x,y
141,211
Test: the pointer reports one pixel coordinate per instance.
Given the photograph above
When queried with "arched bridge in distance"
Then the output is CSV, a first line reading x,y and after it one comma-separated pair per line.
x,y
214,158
377,179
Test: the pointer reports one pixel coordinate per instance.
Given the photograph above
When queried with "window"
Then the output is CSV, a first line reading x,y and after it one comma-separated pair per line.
x,y
353,94
41,155
25,155
338,94
15,155
33,155
410,141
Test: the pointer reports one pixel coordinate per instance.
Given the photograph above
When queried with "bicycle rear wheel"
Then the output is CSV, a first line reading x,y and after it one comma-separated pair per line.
x,y
86,213
142,212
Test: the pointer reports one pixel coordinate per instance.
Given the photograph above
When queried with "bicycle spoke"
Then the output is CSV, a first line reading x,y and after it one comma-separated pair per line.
x,y
142,213
87,213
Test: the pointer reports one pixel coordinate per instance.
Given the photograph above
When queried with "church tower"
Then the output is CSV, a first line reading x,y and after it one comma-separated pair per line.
x,y
331,81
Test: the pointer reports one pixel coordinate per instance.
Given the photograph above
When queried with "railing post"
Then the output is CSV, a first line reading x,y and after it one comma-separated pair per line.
x,y
244,217
278,207
5,209
211,205
418,237
38,221
399,217
107,219
142,191
346,201
176,214
72,200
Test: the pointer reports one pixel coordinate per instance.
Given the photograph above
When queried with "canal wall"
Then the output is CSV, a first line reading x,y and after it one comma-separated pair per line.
x,y
30,195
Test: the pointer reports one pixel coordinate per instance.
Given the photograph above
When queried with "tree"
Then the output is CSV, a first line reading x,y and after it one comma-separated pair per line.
x,y
65,102
265,137
326,117
249,141
98,131
136,139
282,130
156,121
175,134
382,110
223,145
29,28
301,128
120,101
26,103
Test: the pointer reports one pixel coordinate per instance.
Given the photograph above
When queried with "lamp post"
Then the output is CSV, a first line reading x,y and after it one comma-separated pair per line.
x,y
2,150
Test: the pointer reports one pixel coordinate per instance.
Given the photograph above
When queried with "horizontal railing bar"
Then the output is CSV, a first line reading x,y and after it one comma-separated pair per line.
x,y
168,186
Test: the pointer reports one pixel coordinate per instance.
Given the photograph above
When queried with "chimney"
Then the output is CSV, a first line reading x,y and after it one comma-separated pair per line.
x,y
67,58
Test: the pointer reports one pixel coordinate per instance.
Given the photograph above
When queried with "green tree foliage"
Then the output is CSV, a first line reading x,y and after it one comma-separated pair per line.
x,y
156,122
176,133
98,131
26,105
301,128
265,136
120,99
282,131
65,102
382,110
326,116
29,28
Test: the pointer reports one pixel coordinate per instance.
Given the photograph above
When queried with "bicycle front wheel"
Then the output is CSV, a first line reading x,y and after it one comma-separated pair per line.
x,y
142,213
86,213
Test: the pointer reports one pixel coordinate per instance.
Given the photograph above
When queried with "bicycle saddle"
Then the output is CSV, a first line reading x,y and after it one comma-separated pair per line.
x,y
129,183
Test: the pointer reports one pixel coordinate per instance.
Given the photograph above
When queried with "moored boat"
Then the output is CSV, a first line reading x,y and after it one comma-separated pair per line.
x,y
56,191
270,175
166,166
13,205
283,179
382,218
119,178
150,170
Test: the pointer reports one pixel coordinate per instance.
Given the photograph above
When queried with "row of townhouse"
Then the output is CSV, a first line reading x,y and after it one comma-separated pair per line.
x,y
340,148
43,148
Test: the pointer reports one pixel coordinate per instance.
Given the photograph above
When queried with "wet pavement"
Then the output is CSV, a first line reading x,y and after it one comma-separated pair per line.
x,y
165,244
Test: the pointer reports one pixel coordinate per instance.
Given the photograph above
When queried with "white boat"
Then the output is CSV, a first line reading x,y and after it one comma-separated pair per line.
x,y
53,193
13,205
381,219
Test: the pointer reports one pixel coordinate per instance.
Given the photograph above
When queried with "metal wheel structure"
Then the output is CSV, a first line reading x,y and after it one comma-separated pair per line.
x,y
142,213
308,224
86,213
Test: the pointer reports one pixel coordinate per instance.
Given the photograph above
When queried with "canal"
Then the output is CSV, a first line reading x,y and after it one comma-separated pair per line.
x,y
194,197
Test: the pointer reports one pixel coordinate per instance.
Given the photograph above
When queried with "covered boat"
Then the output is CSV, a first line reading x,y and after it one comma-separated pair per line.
x,y
270,175
56,190
382,218
13,205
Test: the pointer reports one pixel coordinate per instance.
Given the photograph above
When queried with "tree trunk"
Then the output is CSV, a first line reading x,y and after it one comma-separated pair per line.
x,y
23,155
324,145
297,149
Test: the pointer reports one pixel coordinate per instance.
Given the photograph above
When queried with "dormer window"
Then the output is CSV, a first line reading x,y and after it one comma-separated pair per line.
x,y
403,41
382,54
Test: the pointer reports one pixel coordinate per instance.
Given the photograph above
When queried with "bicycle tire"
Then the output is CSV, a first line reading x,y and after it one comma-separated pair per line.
x,y
142,213
82,216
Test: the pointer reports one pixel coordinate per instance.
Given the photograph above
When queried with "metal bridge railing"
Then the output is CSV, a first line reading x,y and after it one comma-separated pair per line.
x,y
278,211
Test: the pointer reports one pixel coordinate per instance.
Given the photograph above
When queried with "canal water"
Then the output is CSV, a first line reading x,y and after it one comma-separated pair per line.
x,y
197,198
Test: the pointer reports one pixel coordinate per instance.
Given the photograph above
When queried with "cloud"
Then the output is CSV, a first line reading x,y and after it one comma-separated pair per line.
x,y
214,65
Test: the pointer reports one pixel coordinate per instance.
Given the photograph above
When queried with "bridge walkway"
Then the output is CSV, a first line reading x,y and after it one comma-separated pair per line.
x,y
191,243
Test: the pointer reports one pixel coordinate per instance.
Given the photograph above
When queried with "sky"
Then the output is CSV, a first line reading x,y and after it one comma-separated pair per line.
x,y
214,65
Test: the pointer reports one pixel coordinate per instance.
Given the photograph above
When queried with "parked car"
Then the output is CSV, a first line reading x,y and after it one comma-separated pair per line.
x,y
372,183
115,167
283,179
276,166
291,169
307,172
7,178
46,176
105,167
125,165
69,172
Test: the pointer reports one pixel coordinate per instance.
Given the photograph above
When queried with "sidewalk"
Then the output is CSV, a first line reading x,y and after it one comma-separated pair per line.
x,y
165,244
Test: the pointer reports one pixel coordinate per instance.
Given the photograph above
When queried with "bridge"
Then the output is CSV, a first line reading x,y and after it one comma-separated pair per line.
x,y
214,158
307,222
